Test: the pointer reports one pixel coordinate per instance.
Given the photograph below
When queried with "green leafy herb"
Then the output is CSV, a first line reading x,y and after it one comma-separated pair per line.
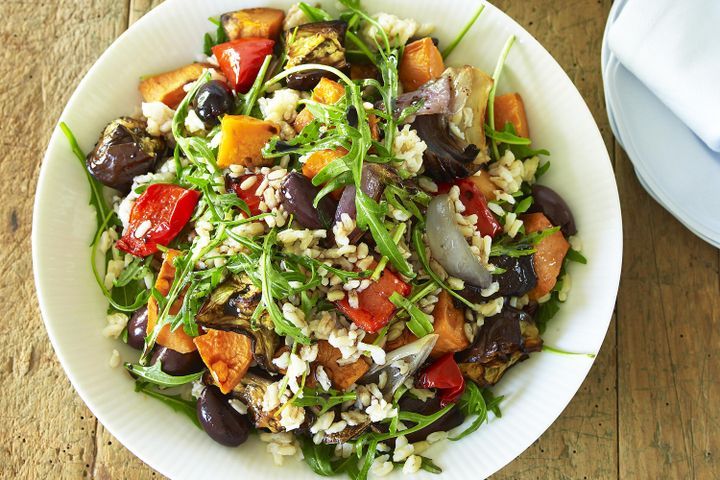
x,y
325,399
429,466
548,348
320,458
546,311
523,205
525,245
419,323
449,49
476,402
575,256
507,135
176,402
154,374
220,37
496,80
542,169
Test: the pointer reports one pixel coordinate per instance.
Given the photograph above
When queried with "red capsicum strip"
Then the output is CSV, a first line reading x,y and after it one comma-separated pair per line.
x,y
248,196
166,208
374,307
444,374
240,60
475,203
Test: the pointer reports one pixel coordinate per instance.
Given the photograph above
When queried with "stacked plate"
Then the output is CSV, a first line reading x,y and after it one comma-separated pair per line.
x,y
675,167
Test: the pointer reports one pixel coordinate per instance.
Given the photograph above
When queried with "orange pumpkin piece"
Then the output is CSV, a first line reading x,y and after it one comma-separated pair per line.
x,y
405,337
420,63
176,340
549,254
253,22
483,182
320,159
227,355
327,92
449,324
341,376
510,108
168,87
243,138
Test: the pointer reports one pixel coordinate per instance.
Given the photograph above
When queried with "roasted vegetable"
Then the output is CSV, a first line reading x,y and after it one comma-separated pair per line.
x,y
341,376
449,325
249,196
503,340
450,420
475,203
227,355
327,92
552,205
157,217
421,62
243,138
167,87
253,22
318,42
176,339
346,434
297,194
251,390
447,157
435,96
372,184
549,254
471,90
240,60
481,179
320,159
123,152
230,307
444,375
509,108
221,421
517,279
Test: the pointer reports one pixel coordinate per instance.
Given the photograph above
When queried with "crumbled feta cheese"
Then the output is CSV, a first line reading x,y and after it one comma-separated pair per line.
x,y
116,323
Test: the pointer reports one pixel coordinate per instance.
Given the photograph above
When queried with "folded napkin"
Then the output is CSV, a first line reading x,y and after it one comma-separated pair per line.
x,y
673,47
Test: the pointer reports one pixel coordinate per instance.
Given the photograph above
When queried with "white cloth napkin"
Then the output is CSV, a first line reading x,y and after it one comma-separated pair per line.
x,y
673,47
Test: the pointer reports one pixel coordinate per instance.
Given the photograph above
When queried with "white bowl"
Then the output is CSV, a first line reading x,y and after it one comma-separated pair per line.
x,y
74,309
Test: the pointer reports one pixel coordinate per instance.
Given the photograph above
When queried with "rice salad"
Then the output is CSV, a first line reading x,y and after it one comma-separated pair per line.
x,y
322,233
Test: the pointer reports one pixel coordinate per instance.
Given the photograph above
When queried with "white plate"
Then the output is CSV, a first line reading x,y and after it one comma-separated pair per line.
x,y
672,164
74,310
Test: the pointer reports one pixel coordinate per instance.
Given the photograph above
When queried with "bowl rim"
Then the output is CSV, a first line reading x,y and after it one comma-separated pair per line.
x,y
164,468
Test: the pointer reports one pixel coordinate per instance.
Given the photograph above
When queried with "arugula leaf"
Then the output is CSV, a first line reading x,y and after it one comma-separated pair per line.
x,y
429,466
449,49
491,97
523,205
220,37
507,135
154,374
542,169
476,402
575,256
524,245
325,399
419,323
176,402
546,311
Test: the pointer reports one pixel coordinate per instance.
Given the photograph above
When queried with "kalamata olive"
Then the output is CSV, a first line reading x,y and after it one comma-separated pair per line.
x,y
220,421
298,194
450,420
518,279
352,116
371,184
212,100
123,152
547,201
176,363
137,328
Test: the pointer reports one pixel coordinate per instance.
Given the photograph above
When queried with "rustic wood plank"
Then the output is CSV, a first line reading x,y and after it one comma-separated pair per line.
x,y
582,443
669,314
45,429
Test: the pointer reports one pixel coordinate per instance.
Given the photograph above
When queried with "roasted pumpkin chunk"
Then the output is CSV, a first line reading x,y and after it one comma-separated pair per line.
x,y
176,340
341,376
449,324
510,108
227,355
167,87
549,254
420,63
327,92
243,138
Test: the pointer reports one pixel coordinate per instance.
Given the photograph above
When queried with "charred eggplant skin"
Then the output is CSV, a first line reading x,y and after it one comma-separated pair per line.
x,y
554,207
504,340
445,158
450,420
318,42
123,152
518,278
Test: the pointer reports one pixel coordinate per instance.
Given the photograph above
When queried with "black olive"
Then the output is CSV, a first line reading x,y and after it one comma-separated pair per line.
x,y
137,328
220,421
176,363
297,196
451,419
352,116
552,205
212,100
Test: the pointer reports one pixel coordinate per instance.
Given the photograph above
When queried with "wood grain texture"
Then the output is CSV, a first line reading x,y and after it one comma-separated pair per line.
x,y
648,409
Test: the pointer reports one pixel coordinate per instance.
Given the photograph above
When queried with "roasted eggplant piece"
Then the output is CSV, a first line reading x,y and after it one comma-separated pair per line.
x,y
251,390
123,152
447,157
517,280
450,420
230,307
552,205
318,42
348,433
504,340
372,184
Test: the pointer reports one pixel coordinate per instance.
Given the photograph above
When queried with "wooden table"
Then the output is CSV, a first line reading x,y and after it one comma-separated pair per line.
x,y
648,409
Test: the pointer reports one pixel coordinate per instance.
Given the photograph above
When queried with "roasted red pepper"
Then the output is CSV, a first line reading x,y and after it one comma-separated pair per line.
x,y
248,196
444,374
241,59
374,307
157,216
475,203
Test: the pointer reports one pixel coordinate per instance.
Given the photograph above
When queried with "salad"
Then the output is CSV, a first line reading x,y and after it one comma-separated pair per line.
x,y
325,233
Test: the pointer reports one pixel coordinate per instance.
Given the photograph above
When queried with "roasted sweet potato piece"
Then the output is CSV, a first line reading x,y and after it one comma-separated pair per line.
x,y
341,376
449,324
227,355
168,87
243,138
482,180
421,62
509,108
327,92
320,159
253,22
549,254
176,340
405,337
